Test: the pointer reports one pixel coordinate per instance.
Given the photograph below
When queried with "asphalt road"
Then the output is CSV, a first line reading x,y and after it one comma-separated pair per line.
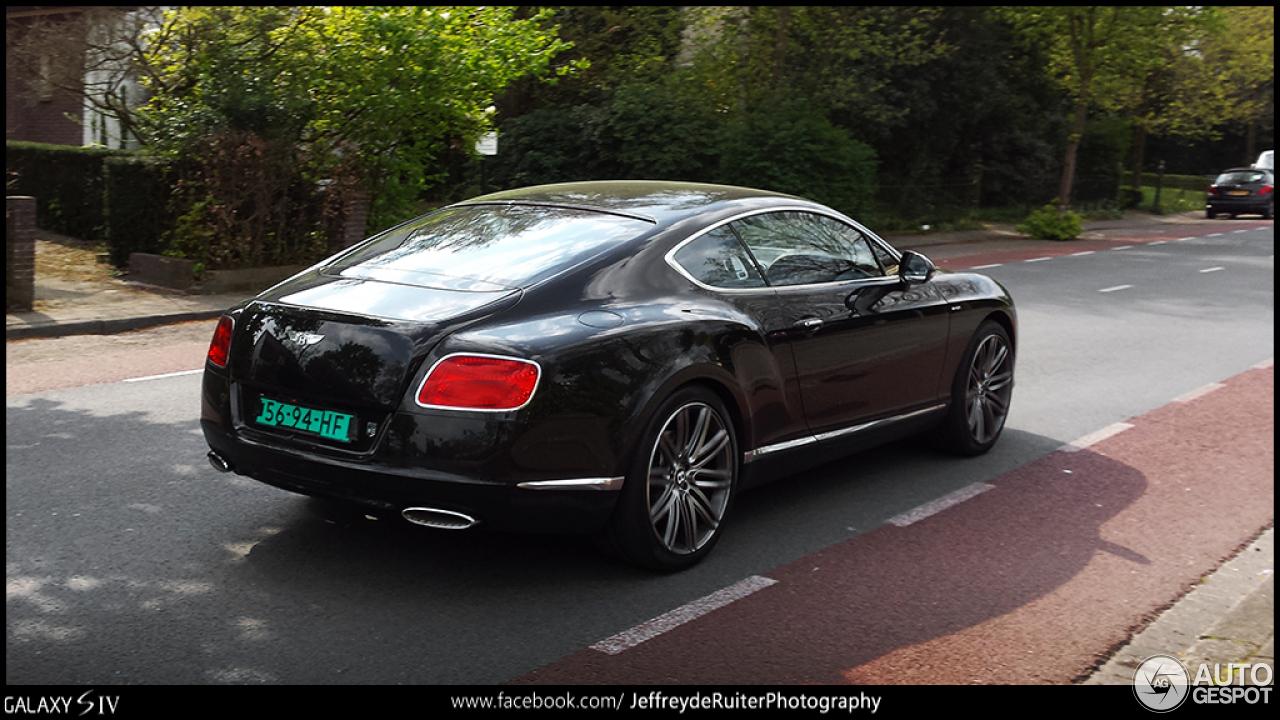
x,y
130,561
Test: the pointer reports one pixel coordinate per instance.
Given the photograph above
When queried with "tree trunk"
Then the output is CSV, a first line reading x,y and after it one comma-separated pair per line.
x,y
1069,161
1139,154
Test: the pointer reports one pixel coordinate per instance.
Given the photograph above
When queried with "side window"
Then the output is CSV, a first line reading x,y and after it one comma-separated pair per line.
x,y
886,259
800,248
719,260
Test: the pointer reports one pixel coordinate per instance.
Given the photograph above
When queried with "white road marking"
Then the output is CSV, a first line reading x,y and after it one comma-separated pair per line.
x,y
1158,242
682,615
1039,259
1198,393
1184,239
1117,287
1265,364
166,375
1213,269
1214,235
1094,438
942,503
1086,252
1122,247
984,267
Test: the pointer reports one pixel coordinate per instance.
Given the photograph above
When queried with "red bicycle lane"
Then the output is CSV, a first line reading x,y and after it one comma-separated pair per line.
x,y
1033,579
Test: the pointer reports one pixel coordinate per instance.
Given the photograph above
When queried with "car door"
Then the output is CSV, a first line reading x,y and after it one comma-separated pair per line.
x,y
865,346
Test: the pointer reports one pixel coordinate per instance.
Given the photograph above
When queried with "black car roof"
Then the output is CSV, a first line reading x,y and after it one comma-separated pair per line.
x,y
652,200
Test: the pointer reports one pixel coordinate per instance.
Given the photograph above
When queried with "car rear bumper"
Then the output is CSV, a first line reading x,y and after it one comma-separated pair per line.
x,y
1249,204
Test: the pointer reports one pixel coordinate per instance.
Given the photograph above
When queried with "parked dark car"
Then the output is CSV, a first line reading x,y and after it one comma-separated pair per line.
x,y
613,358
1242,191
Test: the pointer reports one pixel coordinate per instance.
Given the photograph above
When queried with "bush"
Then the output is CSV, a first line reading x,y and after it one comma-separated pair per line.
x,y
136,199
67,183
1048,224
639,132
790,147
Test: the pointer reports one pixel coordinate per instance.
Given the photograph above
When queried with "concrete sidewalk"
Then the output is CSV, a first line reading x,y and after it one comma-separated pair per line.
x,y
1228,618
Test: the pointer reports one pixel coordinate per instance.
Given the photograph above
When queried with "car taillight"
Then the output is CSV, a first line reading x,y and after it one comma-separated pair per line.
x,y
1265,190
1213,190
479,382
221,343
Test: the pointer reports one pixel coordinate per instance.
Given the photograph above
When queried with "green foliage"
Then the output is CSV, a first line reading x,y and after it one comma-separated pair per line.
x,y
1048,223
137,200
790,147
377,93
67,183
637,132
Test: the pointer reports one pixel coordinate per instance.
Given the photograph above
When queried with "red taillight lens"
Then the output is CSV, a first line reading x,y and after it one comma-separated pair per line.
x,y
221,343
1265,190
479,382
1213,190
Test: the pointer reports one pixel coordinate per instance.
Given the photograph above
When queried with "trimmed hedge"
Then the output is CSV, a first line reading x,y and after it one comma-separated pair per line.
x,y
1194,183
67,183
137,206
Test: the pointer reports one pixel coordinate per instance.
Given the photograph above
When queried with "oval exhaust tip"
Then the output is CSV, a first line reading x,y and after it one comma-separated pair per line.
x,y
218,462
437,518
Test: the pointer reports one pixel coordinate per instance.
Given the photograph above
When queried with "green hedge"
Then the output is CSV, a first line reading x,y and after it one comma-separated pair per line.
x,y
137,206
67,183
1195,183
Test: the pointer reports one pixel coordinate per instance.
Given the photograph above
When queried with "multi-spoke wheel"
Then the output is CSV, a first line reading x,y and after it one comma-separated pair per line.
x,y
675,500
981,392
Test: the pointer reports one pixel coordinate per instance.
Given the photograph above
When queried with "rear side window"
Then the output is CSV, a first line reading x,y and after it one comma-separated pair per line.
x,y
487,247
719,260
1242,178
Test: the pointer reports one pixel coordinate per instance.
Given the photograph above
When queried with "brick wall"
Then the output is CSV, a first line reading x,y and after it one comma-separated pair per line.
x,y
20,253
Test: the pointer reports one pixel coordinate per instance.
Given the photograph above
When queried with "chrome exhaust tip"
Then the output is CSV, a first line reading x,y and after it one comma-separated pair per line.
x,y
437,518
218,462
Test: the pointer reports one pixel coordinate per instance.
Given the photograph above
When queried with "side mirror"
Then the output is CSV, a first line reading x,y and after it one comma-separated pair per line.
x,y
915,268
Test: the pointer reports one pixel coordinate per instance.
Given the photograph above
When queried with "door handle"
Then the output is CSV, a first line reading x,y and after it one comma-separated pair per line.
x,y
809,323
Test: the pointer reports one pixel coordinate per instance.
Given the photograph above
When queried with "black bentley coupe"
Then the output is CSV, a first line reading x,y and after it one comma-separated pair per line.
x,y
612,358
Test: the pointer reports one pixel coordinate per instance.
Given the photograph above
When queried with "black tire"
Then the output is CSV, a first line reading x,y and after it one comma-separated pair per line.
x,y
1270,211
980,392
680,486
1210,215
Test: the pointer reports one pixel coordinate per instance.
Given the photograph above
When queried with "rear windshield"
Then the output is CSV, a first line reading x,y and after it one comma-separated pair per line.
x,y
1242,178
487,247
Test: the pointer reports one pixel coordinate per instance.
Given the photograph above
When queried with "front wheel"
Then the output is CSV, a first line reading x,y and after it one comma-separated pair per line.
x,y
980,392
680,487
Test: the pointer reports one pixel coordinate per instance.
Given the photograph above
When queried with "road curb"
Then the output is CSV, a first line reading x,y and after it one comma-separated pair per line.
x,y
104,327
1227,618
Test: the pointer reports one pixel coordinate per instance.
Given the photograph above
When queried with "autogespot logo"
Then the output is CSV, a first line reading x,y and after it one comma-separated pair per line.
x,y
1161,683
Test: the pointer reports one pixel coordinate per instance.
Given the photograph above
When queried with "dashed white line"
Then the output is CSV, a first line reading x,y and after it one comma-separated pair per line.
x,y
1122,247
682,615
166,375
1212,269
942,503
1094,438
1265,364
1086,252
1198,393
1050,257
1113,289
1214,235
984,267
1158,242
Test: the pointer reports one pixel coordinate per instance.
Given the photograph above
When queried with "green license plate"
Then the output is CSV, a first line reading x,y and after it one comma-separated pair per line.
x,y
325,423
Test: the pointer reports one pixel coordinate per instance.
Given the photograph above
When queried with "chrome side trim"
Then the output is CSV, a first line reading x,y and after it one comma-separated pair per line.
x,y
876,423
605,483
751,455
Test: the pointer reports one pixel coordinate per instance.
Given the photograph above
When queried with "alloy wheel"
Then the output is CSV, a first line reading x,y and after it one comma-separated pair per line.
x,y
690,477
989,389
